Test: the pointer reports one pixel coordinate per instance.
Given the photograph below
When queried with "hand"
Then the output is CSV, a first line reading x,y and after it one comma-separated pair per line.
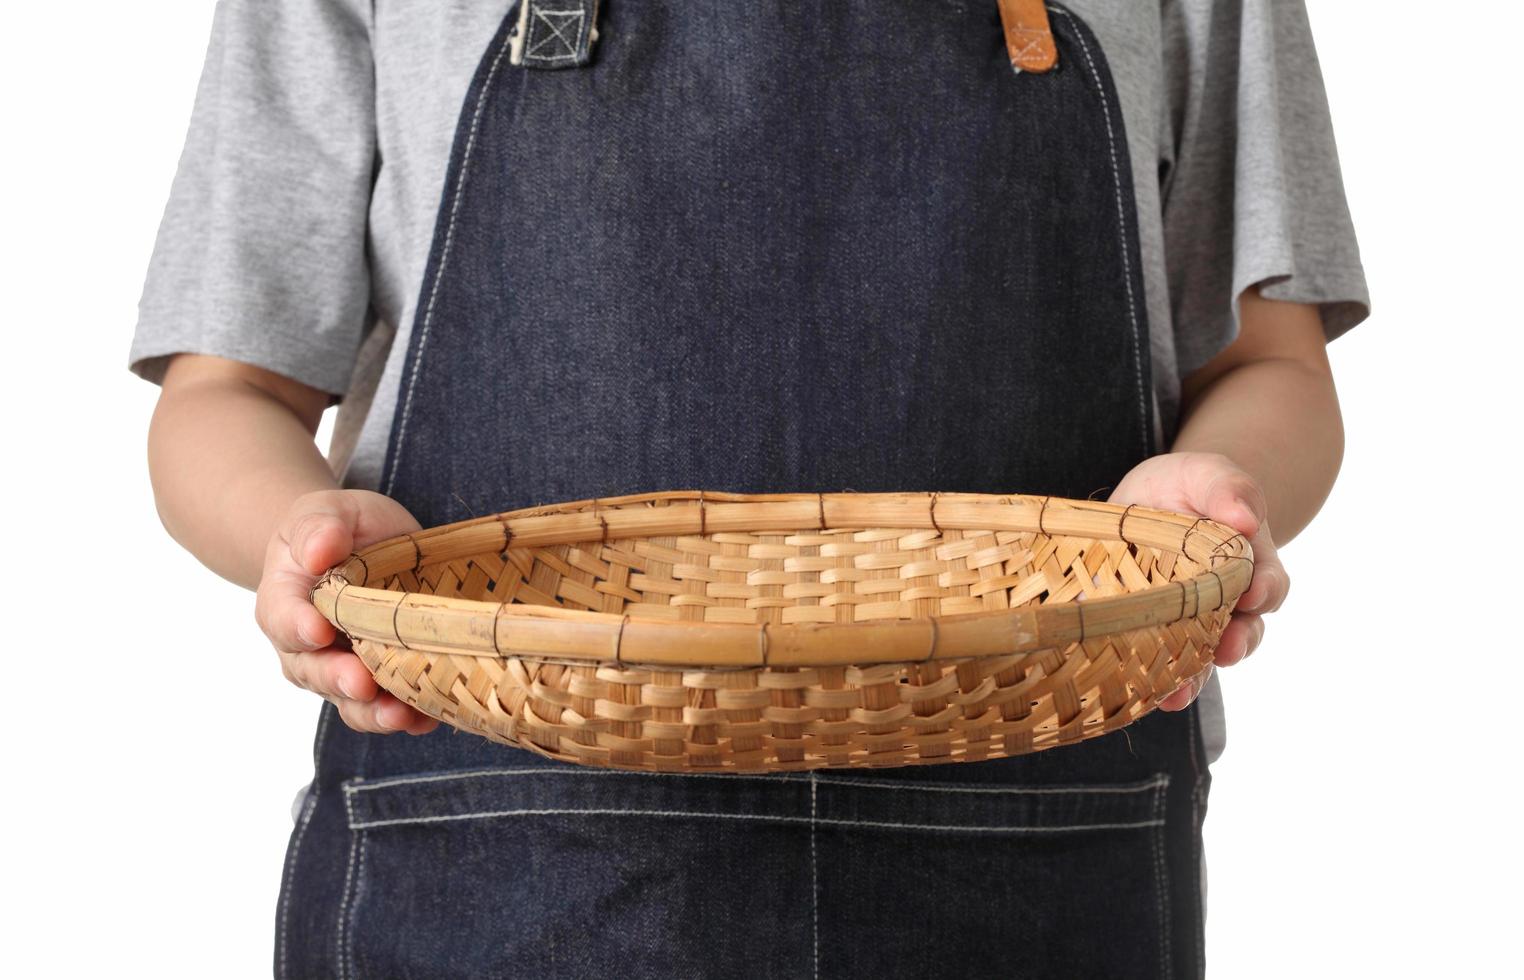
x,y
1211,485
319,531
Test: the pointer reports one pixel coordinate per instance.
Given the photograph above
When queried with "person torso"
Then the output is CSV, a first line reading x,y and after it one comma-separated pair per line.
x,y
425,55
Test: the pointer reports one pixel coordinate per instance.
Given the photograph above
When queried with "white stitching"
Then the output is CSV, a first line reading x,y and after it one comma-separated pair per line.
x,y
1021,55
1116,177
1196,839
444,258
469,774
1009,790
354,908
341,927
361,787
340,939
428,317
814,879
571,17
309,806
776,818
1161,892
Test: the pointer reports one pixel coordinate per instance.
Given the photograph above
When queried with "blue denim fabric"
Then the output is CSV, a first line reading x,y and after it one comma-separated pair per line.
x,y
782,245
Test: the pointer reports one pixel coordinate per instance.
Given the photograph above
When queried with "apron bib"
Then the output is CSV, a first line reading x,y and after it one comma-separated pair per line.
x,y
775,245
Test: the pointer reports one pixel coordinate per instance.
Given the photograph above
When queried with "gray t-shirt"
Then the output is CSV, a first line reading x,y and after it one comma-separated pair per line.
x,y
300,219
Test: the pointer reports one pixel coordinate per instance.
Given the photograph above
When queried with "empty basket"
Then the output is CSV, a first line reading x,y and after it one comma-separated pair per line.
x,y
745,633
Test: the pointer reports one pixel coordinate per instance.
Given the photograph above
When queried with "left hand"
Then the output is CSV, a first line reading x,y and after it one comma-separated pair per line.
x,y
1211,485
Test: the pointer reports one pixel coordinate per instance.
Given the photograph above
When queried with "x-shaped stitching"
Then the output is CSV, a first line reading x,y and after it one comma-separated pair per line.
x,y
1032,39
1030,52
568,19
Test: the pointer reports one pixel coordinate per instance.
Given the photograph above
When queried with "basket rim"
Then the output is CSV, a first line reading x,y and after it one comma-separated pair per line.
x,y
473,627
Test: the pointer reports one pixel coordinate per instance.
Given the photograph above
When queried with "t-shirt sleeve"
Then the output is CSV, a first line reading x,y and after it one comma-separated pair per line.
x,y
1253,193
260,254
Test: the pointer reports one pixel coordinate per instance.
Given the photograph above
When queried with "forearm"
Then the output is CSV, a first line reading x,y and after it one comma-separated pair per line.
x,y
227,457
1277,417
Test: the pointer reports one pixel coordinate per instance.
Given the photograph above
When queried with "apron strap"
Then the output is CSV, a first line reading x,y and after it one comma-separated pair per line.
x,y
560,34
1028,36
554,33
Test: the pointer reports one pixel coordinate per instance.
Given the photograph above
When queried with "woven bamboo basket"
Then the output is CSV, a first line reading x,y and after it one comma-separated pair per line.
x,y
728,632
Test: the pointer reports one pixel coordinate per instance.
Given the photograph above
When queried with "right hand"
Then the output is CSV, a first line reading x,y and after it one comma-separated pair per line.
x,y
318,532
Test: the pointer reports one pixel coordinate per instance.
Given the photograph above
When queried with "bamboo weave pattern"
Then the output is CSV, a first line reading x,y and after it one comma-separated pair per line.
x,y
793,647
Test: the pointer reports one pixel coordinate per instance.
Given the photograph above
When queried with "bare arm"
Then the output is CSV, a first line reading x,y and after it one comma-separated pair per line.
x,y
230,448
1259,445
1268,403
240,483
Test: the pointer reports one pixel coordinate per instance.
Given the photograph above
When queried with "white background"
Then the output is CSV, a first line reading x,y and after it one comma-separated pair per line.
x,y
1362,819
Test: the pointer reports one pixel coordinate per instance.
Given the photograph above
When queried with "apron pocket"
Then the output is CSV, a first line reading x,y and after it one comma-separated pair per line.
x,y
557,870
927,878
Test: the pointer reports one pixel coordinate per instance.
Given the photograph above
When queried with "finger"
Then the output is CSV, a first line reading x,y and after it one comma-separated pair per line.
x,y
319,533
1239,639
1230,496
400,716
391,714
421,724
1180,699
1227,495
1187,692
284,614
328,526
1257,638
365,716
1270,584
323,534
332,673
361,717
383,716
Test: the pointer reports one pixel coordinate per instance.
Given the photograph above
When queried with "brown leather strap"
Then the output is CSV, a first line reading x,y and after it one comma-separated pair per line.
x,y
1028,36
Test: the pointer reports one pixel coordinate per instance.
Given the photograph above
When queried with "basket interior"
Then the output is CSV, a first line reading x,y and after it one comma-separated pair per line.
x,y
836,575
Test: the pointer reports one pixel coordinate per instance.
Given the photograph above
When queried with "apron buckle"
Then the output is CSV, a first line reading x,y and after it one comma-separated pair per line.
x,y
1028,35
554,33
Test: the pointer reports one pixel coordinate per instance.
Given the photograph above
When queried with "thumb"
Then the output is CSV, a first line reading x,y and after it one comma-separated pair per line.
x,y
377,517
320,530
1227,494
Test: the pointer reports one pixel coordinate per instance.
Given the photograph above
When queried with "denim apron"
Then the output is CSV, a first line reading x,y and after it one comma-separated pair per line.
x,y
764,245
